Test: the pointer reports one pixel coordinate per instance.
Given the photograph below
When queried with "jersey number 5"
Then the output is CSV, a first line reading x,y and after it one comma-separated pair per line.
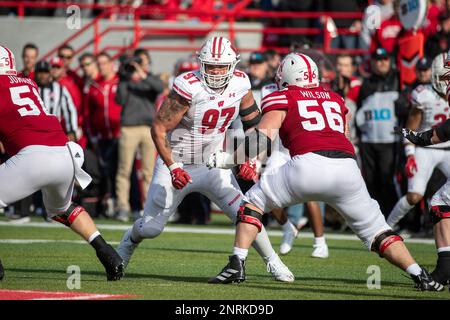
x,y
29,108
332,113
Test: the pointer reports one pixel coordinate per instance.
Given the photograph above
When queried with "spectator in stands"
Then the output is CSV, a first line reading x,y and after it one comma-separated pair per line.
x,y
89,68
403,103
103,123
58,73
30,53
431,25
66,53
273,59
375,118
137,93
348,86
386,9
298,6
387,34
258,72
347,41
57,99
440,41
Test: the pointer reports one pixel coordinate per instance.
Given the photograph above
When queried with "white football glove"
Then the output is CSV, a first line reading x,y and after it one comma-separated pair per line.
x,y
221,160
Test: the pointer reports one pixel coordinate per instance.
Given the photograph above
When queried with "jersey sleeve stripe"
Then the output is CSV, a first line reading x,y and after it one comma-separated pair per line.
x,y
273,97
283,103
275,107
181,92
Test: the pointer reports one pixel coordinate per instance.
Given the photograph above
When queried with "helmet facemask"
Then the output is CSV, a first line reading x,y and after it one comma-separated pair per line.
x,y
440,74
217,81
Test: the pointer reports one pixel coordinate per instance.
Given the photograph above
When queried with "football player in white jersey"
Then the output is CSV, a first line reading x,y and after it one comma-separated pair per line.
x,y
440,202
430,108
279,156
190,125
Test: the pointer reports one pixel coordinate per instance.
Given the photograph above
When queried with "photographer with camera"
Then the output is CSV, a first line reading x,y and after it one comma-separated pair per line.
x,y
137,93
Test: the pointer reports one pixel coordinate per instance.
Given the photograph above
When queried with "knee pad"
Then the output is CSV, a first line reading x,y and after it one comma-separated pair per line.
x,y
69,216
391,237
439,212
247,215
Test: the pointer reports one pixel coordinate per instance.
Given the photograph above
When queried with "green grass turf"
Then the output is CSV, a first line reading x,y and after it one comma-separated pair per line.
x,y
177,266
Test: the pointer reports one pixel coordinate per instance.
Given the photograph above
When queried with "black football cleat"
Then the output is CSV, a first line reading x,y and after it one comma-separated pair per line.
x,y
234,271
112,262
424,282
2,271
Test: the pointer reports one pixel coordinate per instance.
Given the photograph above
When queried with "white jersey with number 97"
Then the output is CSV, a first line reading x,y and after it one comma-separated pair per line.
x,y
202,129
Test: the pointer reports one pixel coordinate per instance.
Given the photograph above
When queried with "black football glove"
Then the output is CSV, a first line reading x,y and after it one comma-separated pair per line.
x,y
418,138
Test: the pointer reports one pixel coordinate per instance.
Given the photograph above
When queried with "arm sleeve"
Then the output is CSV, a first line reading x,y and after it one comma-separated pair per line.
x,y
151,83
122,92
443,131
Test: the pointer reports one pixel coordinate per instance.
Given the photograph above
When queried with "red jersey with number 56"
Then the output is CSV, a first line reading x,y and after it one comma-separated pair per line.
x,y
23,117
315,119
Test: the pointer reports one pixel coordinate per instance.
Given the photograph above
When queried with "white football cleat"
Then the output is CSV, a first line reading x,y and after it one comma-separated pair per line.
x,y
126,248
279,270
320,251
289,236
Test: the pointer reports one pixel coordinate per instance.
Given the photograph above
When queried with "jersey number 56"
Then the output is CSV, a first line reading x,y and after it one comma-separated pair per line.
x,y
333,118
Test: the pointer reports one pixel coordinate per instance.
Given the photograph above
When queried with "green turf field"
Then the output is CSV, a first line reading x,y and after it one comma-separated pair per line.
x,y
177,266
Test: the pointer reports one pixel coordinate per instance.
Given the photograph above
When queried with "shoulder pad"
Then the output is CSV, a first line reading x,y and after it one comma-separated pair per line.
x,y
184,84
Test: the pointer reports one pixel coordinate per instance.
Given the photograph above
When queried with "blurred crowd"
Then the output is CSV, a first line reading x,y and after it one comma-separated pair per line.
x,y
108,106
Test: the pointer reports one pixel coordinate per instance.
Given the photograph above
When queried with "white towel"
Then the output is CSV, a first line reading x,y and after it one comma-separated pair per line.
x,y
81,176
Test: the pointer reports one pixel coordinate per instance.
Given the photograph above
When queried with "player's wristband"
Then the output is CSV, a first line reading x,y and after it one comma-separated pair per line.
x,y
173,166
410,149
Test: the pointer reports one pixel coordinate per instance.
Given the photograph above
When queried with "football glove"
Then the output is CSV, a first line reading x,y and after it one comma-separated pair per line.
x,y
180,177
249,170
418,138
411,166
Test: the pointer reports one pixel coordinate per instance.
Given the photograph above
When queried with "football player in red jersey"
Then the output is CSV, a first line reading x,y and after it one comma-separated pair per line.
x,y
43,159
312,126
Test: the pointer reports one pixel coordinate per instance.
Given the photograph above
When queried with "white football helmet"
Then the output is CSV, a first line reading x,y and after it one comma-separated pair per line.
x,y
7,62
217,51
297,69
440,75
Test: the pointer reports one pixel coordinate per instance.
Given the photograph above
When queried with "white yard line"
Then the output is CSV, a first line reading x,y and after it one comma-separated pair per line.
x,y
86,297
173,229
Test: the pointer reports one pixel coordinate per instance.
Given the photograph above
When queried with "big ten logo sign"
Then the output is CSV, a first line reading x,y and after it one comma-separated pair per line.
x,y
378,115
409,6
